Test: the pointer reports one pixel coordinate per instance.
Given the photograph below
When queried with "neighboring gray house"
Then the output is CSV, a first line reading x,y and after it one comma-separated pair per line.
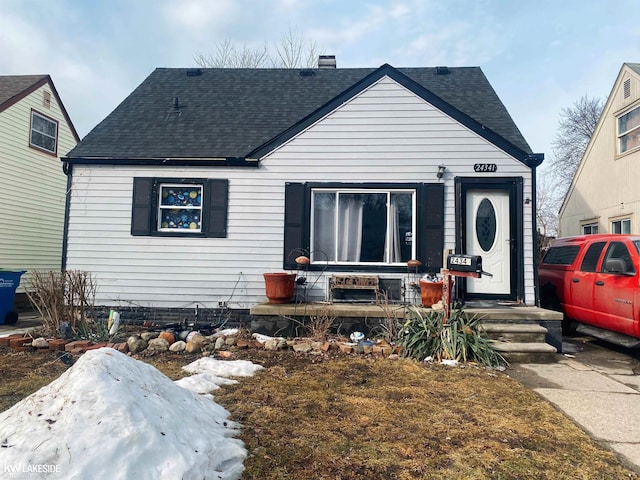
x,y
204,179
35,130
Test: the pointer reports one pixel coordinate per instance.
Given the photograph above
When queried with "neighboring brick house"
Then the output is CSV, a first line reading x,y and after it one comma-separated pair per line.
x,y
603,196
35,130
201,180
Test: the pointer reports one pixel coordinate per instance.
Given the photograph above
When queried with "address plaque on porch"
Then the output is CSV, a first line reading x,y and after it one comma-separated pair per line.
x,y
485,167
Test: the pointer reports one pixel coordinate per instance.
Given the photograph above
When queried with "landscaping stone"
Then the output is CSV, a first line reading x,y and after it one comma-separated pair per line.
x,y
136,344
192,347
149,335
158,345
220,343
271,344
178,346
40,342
225,354
303,347
344,348
230,341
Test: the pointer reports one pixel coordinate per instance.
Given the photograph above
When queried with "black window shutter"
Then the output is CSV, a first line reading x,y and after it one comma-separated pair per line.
x,y
295,226
141,206
215,207
431,226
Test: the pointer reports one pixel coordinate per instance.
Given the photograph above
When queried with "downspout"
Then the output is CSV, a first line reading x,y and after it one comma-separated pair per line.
x,y
534,160
67,168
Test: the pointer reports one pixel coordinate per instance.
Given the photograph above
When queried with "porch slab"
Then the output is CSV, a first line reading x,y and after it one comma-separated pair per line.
x,y
285,319
494,313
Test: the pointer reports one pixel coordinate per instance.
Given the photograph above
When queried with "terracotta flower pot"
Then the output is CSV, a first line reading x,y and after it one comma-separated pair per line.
x,y
431,292
279,286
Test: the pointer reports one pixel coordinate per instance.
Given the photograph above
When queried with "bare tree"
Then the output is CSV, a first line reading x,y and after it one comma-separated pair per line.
x,y
576,126
228,56
292,51
548,204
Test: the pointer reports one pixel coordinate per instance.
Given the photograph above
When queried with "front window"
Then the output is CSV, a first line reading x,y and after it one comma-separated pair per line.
x,y
180,207
629,130
590,229
363,226
44,133
621,226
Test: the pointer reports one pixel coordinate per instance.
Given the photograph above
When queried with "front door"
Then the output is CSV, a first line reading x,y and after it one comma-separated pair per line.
x,y
488,234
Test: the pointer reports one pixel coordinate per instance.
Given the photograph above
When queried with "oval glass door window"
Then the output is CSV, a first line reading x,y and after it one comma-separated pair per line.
x,y
486,224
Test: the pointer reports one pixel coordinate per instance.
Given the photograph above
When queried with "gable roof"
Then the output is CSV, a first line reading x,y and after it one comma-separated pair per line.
x,y
14,88
606,110
238,115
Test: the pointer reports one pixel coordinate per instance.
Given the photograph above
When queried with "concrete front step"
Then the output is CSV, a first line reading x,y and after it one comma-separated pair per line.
x,y
526,352
515,332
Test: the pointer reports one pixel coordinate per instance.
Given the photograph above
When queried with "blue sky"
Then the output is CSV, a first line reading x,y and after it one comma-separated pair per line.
x,y
539,55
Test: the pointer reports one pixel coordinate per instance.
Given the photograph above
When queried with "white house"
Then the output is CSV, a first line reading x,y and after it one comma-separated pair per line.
x,y
603,196
35,130
204,179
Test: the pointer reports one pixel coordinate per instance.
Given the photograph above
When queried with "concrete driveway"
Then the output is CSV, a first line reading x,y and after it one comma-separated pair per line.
x,y
597,385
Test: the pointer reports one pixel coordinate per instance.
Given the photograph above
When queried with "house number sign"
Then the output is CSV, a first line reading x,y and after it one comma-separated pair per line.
x,y
485,167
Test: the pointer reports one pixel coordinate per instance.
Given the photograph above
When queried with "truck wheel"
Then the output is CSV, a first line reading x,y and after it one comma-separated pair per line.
x,y
568,326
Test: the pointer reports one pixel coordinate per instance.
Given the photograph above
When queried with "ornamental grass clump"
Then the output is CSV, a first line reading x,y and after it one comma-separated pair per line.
x,y
425,334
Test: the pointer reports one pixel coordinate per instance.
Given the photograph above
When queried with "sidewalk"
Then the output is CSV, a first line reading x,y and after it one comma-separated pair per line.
x,y
26,322
598,388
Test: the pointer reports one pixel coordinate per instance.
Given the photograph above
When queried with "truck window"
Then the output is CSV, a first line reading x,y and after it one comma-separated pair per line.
x,y
561,255
617,259
590,260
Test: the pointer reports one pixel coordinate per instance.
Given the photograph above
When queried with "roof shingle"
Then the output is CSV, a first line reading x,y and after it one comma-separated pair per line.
x,y
224,113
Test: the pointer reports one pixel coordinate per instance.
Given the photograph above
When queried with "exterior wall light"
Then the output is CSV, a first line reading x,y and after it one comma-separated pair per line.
x,y
441,170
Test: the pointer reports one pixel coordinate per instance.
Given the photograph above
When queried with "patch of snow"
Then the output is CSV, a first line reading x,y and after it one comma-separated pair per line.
x,y
227,332
227,368
265,338
111,416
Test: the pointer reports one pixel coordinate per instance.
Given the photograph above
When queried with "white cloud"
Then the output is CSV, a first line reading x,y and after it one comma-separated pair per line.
x,y
199,15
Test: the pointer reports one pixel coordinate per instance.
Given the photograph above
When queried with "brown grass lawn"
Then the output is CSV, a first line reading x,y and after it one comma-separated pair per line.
x,y
369,418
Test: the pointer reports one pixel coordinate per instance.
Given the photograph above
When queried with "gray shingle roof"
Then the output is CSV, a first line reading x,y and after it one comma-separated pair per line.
x,y
226,113
634,66
13,87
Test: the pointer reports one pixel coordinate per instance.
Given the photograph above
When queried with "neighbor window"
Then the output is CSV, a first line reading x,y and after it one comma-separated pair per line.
x,y
44,133
621,226
362,226
629,130
179,207
590,228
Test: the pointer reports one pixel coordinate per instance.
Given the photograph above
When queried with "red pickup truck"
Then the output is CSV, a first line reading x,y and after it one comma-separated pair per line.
x,y
595,281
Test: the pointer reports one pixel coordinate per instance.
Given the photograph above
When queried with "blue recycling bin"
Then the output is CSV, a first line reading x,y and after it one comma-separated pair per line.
x,y
9,281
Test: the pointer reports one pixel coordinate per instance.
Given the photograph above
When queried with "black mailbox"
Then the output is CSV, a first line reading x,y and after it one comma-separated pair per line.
x,y
464,263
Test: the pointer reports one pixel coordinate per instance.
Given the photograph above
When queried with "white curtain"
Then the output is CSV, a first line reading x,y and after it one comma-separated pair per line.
x,y
350,226
392,241
324,227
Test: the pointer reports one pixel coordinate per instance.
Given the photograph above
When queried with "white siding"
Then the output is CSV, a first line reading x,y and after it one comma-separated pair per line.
x,y
386,134
33,194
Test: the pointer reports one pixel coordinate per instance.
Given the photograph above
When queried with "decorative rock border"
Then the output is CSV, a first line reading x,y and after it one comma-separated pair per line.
x,y
223,345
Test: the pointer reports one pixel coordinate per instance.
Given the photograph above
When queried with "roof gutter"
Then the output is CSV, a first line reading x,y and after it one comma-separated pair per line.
x,y
170,161
534,160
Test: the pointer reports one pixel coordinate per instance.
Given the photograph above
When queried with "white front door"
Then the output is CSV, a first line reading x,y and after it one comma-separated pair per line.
x,y
488,235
